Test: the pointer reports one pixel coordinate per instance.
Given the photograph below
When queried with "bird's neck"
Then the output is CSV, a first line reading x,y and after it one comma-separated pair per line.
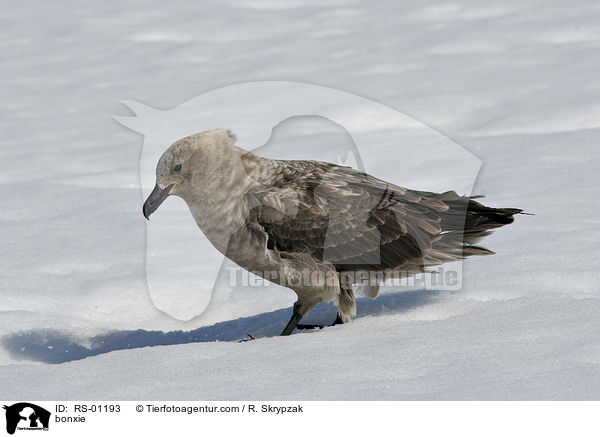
x,y
218,203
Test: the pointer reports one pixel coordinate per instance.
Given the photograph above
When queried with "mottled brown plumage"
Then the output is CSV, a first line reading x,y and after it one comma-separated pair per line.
x,y
356,221
290,217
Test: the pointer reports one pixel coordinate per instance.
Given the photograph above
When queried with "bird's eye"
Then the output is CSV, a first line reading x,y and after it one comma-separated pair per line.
x,y
177,167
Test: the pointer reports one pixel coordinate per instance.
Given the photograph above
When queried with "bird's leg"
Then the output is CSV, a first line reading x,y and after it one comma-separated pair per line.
x,y
347,302
338,321
298,312
296,316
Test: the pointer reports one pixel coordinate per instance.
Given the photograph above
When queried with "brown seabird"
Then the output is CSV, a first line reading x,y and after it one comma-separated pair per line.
x,y
316,227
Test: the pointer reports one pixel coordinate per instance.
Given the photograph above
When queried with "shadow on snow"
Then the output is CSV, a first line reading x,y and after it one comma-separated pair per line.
x,y
50,346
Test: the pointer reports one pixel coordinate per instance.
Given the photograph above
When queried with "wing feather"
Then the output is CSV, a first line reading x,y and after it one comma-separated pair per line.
x,y
356,221
344,216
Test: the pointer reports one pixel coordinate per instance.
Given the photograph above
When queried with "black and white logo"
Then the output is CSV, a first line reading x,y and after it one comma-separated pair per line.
x,y
26,416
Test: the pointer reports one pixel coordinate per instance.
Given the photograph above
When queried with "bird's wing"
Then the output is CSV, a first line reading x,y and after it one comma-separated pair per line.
x,y
344,216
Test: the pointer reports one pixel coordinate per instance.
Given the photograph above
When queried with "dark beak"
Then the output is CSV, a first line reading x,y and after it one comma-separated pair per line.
x,y
156,197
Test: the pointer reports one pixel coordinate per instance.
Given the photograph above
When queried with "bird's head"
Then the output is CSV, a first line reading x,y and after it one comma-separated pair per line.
x,y
185,164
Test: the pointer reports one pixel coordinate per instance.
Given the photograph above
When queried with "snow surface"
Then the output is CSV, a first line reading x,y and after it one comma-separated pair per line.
x,y
515,83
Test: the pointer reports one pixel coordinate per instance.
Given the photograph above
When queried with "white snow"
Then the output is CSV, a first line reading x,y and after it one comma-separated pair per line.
x,y
515,83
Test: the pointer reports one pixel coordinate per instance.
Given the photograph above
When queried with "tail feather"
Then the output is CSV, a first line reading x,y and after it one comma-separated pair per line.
x,y
468,221
480,220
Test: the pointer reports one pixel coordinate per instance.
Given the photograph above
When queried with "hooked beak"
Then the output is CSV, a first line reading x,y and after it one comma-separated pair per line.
x,y
156,197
